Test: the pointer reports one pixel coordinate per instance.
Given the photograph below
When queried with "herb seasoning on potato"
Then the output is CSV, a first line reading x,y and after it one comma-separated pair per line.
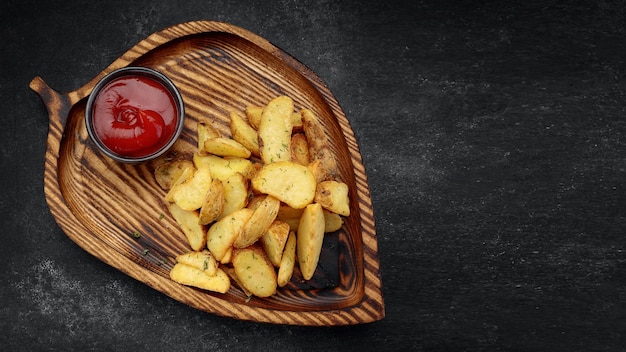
x,y
255,204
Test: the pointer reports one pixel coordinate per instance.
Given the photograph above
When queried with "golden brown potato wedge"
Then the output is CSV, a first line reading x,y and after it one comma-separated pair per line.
x,y
202,260
230,271
213,205
263,216
205,132
235,194
300,149
309,239
319,172
253,114
296,121
289,182
288,261
275,130
319,146
190,194
191,276
222,168
255,200
332,221
222,234
185,175
228,256
333,196
189,222
222,146
289,215
244,133
168,172
254,271
274,239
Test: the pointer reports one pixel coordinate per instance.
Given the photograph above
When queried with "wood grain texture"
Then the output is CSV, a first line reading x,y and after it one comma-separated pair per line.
x,y
218,68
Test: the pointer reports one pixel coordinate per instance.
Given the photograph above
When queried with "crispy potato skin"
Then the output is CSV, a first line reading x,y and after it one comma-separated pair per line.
x,y
205,133
213,204
274,239
300,149
260,221
168,172
333,196
319,147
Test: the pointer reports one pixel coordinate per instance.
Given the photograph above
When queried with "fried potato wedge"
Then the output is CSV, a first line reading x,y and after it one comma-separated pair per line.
x,y
189,222
332,221
274,239
186,174
263,216
333,196
191,276
319,147
288,261
318,170
296,121
223,233
235,194
291,183
300,149
243,133
190,194
228,256
202,260
213,204
275,130
289,215
222,146
230,271
254,270
253,114
206,132
168,172
222,168
309,239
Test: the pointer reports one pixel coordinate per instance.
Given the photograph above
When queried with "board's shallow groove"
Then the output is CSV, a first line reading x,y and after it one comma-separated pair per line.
x,y
218,68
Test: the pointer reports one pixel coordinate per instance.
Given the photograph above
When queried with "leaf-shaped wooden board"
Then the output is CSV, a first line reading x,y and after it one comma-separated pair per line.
x,y
218,68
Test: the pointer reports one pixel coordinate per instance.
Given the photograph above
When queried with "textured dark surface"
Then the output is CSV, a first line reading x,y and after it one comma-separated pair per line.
x,y
493,135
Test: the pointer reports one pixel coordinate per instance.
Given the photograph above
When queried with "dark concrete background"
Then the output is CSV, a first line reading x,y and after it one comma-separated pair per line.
x,y
493,133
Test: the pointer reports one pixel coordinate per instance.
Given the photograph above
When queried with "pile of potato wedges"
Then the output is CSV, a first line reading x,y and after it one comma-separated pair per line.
x,y
255,204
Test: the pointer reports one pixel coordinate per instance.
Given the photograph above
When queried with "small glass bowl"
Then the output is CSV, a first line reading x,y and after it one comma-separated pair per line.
x,y
150,74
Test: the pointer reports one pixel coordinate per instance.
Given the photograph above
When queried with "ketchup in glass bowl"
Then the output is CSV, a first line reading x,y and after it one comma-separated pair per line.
x,y
134,114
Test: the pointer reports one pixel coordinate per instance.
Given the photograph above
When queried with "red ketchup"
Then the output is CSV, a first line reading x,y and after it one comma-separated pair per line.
x,y
134,116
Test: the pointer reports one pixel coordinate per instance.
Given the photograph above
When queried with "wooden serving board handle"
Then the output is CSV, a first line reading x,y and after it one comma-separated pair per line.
x,y
58,104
